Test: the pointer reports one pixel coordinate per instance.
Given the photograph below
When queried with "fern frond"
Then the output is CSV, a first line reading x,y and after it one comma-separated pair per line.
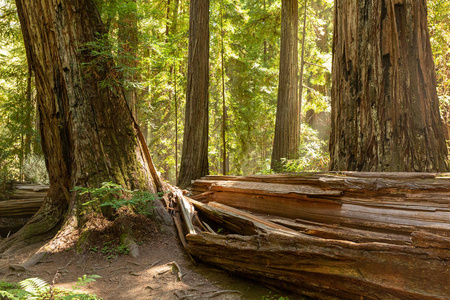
x,y
34,286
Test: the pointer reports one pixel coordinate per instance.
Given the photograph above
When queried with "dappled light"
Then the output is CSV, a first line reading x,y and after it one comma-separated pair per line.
x,y
272,150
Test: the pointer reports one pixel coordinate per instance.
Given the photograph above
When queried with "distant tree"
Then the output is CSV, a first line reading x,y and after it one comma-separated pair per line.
x,y
287,127
87,130
385,110
194,155
128,40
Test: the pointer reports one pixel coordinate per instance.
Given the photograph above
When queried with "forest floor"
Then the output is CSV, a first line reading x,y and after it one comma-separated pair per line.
x,y
148,276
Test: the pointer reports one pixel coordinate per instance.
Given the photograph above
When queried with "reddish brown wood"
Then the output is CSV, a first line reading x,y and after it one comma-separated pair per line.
x,y
351,235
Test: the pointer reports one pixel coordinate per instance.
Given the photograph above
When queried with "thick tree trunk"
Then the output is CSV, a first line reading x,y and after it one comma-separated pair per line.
x,y
385,111
194,155
287,135
86,129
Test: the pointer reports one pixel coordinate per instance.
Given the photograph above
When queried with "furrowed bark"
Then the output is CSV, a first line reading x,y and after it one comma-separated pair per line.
x,y
385,109
194,155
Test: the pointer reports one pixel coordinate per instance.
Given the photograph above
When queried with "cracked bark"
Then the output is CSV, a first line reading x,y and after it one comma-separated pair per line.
x,y
385,110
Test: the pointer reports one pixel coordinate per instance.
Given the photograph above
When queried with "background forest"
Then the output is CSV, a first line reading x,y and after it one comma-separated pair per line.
x,y
150,46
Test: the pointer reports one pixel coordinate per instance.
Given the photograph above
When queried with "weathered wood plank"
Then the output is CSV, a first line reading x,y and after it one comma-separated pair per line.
x,y
31,187
20,208
370,181
287,190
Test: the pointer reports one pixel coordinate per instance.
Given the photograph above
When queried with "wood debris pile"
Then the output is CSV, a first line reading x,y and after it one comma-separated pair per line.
x,y
329,236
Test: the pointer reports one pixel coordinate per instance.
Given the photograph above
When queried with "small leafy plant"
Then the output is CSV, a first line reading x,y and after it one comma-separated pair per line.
x,y
115,196
112,251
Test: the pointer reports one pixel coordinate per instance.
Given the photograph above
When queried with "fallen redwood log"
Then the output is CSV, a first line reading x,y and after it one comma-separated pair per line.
x,y
24,202
330,236
20,208
375,204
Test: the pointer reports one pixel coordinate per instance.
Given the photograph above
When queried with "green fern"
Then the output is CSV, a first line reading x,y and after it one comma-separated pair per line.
x,y
34,286
4,295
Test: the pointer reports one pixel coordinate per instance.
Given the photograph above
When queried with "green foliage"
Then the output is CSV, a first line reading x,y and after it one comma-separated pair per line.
x,y
6,185
112,251
439,26
38,289
272,296
85,279
115,196
18,137
313,155
11,291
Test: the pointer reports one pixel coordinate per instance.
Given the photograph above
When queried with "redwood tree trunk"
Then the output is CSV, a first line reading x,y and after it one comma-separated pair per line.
x,y
385,111
194,155
86,129
287,125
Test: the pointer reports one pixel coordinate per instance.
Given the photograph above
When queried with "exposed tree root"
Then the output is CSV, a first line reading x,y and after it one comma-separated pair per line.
x,y
49,224
42,226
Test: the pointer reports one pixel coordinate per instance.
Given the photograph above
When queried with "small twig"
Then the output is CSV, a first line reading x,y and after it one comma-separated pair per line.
x,y
224,292
209,228
161,272
60,268
100,268
54,281
187,296
118,269
155,263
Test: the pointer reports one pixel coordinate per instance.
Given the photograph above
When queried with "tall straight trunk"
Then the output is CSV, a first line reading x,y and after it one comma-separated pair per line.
x,y
224,107
385,110
29,121
86,129
194,155
302,62
287,135
128,50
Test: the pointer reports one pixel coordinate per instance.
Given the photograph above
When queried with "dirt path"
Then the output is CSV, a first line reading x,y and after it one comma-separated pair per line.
x,y
149,276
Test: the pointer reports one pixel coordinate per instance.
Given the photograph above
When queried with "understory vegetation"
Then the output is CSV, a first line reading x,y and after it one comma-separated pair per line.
x,y
38,289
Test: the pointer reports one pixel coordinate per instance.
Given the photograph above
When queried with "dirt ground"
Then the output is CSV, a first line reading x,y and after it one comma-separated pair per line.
x,y
161,271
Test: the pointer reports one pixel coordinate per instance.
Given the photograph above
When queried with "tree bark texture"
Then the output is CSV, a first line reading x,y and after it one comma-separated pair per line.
x,y
287,125
385,111
194,155
86,128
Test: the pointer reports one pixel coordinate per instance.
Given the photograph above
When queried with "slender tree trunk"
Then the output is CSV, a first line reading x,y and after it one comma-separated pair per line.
x,y
194,155
224,107
385,111
29,118
174,22
86,129
175,75
265,41
287,135
302,63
